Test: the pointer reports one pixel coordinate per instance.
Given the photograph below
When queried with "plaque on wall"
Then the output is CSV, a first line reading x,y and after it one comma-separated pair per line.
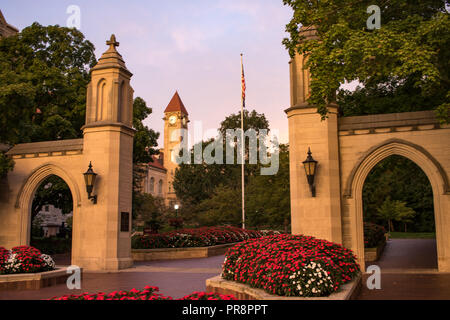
x,y
125,222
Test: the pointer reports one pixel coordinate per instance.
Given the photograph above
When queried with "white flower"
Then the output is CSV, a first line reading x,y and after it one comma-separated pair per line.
x,y
48,260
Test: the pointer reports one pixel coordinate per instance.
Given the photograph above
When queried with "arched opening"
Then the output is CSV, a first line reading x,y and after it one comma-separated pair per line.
x,y
51,216
353,195
160,187
101,101
152,185
398,201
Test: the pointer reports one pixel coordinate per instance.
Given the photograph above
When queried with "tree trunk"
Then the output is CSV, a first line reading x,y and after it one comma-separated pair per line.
x,y
286,223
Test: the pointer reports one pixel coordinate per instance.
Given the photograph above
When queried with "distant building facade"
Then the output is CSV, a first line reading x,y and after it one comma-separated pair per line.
x,y
51,219
6,30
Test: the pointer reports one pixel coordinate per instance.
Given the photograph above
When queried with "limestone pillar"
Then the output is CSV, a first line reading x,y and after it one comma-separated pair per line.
x,y
318,216
103,242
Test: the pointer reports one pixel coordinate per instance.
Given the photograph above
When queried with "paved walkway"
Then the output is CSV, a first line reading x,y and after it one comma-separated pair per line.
x,y
409,254
175,278
409,272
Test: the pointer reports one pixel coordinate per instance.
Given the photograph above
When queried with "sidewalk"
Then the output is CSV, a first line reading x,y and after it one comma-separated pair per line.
x,y
175,278
409,272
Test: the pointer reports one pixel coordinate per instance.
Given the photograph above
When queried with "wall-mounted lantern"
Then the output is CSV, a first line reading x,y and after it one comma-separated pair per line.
x,y
89,179
310,169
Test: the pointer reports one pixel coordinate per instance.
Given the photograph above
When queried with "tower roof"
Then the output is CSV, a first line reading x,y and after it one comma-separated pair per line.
x,y
111,58
176,105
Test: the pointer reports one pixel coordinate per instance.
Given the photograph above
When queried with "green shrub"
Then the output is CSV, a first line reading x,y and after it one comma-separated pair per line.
x,y
374,235
52,245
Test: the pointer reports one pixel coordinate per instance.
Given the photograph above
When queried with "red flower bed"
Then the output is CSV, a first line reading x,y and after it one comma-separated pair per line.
x,y
149,293
4,254
200,237
24,259
289,265
207,296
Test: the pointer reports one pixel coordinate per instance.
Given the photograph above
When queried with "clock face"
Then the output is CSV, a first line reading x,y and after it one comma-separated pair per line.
x,y
173,119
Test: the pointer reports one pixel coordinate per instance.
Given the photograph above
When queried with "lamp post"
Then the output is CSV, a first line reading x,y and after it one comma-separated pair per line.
x,y
310,169
89,179
176,207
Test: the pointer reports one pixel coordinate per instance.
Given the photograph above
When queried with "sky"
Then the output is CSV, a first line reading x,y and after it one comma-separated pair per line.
x,y
192,46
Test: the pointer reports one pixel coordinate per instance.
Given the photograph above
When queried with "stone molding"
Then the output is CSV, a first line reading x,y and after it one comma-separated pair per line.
x,y
179,253
392,122
33,281
393,146
47,149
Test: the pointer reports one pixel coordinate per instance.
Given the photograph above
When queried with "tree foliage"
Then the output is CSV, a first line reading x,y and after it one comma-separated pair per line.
x,y
395,210
213,191
44,73
399,179
410,53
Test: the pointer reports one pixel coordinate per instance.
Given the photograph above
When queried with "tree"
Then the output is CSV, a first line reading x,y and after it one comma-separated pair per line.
x,y
223,207
44,72
268,196
410,53
395,210
194,183
399,178
213,191
145,139
149,210
144,142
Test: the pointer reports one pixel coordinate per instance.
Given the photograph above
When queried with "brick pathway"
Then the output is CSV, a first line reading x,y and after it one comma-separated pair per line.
x,y
409,272
175,278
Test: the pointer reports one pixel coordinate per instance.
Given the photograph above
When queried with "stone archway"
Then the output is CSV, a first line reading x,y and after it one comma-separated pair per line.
x,y
101,229
436,175
26,195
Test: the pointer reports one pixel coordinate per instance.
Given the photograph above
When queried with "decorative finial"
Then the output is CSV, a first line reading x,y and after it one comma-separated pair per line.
x,y
112,42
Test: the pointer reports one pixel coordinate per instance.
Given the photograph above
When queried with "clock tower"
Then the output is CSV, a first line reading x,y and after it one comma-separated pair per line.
x,y
175,120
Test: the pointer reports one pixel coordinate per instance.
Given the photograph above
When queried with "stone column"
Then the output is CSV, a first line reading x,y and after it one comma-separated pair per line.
x,y
318,216
103,243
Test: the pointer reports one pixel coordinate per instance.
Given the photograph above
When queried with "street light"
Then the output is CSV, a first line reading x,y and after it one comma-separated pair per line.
x,y
310,169
89,179
176,207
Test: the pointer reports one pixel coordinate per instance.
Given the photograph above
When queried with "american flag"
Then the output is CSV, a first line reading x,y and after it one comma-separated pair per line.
x,y
243,83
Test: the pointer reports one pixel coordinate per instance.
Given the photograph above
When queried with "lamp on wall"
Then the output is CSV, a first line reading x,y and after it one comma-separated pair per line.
x,y
89,179
310,169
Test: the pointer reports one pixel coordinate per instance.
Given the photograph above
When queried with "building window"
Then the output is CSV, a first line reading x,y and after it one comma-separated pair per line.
x,y
152,185
146,184
160,186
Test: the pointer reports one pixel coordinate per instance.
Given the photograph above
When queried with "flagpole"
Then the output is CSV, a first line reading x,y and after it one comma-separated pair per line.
x,y
242,150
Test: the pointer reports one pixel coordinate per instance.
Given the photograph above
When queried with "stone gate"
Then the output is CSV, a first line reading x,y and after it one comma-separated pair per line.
x,y
347,149
101,230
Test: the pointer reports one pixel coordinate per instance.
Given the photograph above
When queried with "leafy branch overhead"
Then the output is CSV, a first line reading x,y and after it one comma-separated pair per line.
x,y
411,51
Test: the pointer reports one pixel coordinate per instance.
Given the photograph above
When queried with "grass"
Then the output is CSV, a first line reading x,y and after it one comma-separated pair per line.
x,y
413,235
